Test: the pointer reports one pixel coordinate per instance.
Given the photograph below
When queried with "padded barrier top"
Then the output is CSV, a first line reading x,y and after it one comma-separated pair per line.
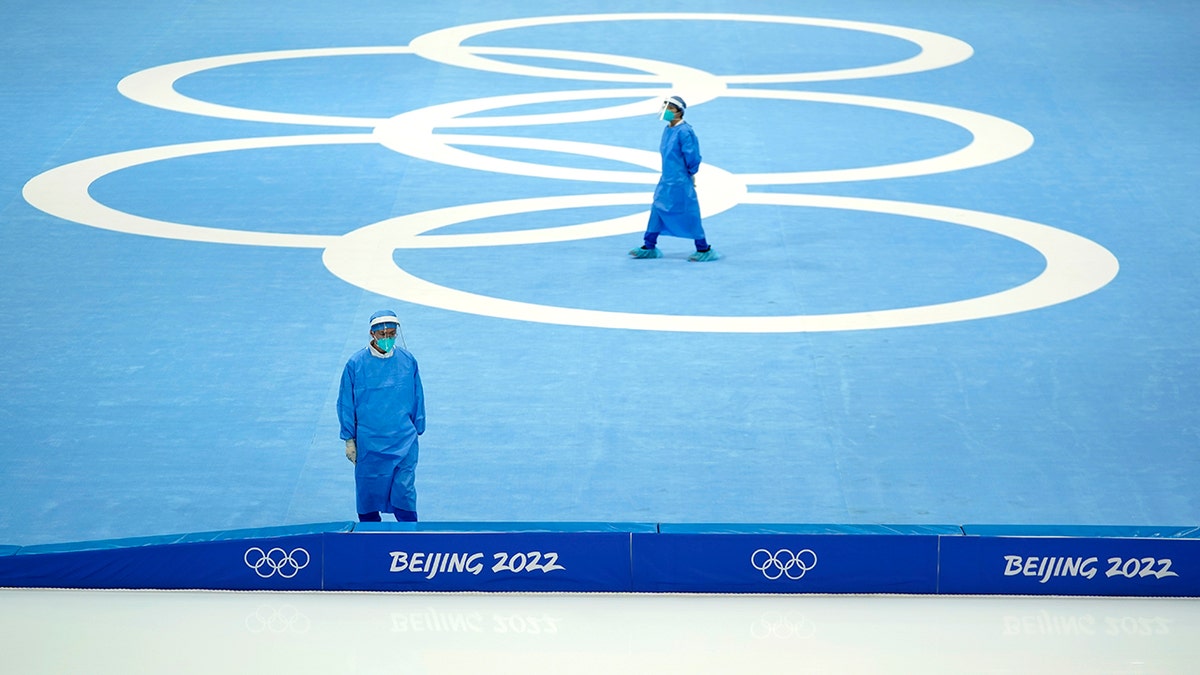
x,y
190,538
506,527
1103,531
813,528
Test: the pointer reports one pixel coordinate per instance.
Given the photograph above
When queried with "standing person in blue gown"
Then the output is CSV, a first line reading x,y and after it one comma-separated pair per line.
x,y
381,409
676,209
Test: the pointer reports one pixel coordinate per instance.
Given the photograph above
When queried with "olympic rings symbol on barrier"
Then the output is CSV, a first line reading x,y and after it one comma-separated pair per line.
x,y
267,564
792,564
366,256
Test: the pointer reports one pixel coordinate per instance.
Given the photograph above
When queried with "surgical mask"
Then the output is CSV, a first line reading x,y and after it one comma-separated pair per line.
x,y
385,344
667,115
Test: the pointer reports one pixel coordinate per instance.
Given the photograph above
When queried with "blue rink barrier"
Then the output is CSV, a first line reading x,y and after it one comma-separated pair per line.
x,y
632,557
789,558
482,557
1049,560
281,558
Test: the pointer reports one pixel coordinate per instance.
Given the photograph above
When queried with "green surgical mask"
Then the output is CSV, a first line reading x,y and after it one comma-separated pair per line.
x,y
668,115
385,344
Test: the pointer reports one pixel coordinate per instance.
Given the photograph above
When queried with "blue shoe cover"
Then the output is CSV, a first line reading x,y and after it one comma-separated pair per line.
x,y
704,256
646,253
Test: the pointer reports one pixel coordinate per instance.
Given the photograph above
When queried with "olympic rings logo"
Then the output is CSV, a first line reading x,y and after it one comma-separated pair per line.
x,y
267,564
792,564
368,255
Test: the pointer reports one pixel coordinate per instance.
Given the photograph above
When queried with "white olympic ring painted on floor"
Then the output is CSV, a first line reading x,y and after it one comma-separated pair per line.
x,y
445,46
276,561
63,192
993,140
1075,265
156,87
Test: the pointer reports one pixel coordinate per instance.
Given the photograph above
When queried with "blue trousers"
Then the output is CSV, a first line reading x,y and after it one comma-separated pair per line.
x,y
651,240
402,516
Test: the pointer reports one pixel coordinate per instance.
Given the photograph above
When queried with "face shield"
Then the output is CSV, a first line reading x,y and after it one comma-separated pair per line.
x,y
672,108
384,328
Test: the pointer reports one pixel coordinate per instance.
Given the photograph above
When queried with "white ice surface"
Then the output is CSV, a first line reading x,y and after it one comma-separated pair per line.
x,y
45,631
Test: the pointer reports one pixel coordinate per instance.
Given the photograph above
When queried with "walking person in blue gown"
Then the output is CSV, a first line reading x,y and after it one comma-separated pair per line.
x,y
676,209
381,409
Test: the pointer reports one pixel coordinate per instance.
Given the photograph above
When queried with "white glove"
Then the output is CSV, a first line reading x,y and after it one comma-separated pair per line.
x,y
352,451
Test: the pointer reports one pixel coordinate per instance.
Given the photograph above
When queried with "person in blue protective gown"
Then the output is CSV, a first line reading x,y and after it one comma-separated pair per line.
x,y
676,209
381,408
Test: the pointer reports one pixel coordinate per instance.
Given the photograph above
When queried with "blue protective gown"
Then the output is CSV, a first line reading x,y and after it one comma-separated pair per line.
x,y
381,405
676,210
